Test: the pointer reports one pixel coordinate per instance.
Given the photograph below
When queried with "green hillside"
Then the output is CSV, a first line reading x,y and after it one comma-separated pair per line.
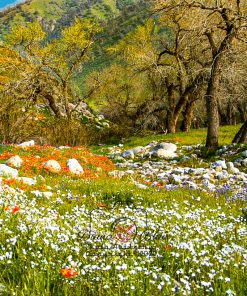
x,y
116,17
54,13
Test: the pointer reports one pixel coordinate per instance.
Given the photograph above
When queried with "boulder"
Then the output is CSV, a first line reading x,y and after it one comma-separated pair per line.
x,y
52,166
15,161
231,168
7,171
165,154
26,144
74,167
128,154
138,149
166,146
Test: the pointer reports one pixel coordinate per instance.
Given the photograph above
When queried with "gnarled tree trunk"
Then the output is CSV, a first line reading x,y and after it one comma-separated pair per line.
x,y
241,136
188,116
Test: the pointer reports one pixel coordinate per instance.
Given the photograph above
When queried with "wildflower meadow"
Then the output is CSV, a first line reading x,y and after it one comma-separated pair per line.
x,y
96,234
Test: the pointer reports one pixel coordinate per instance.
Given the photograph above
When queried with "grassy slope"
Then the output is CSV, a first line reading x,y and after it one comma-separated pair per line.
x,y
193,137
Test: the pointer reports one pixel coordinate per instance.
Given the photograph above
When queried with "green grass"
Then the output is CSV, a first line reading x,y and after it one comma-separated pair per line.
x,y
204,238
192,137
38,255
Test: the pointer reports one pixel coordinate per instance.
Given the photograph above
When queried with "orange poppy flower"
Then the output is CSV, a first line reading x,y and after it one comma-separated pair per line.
x,y
168,247
68,272
13,209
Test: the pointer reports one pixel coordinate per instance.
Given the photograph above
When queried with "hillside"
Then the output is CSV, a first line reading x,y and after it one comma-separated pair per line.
x,y
117,18
57,13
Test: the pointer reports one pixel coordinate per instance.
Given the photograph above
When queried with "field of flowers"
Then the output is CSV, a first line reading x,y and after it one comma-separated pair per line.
x,y
97,235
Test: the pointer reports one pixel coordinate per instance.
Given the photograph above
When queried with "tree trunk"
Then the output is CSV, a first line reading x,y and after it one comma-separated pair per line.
x,y
172,115
241,136
212,105
213,83
53,104
66,100
222,116
242,108
170,123
188,116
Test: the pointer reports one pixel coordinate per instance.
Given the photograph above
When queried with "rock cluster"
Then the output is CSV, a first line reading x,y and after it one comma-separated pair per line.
x,y
9,171
220,176
152,150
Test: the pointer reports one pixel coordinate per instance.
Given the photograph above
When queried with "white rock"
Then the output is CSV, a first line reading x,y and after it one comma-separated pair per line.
x,y
220,163
26,144
190,185
220,176
166,146
230,165
178,171
119,158
218,169
138,149
176,179
14,161
52,166
165,154
128,154
7,171
206,176
244,162
197,171
74,167
233,170
27,181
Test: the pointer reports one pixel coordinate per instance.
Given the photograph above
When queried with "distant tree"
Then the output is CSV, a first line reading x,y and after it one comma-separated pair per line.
x,y
174,67
219,25
40,70
119,94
